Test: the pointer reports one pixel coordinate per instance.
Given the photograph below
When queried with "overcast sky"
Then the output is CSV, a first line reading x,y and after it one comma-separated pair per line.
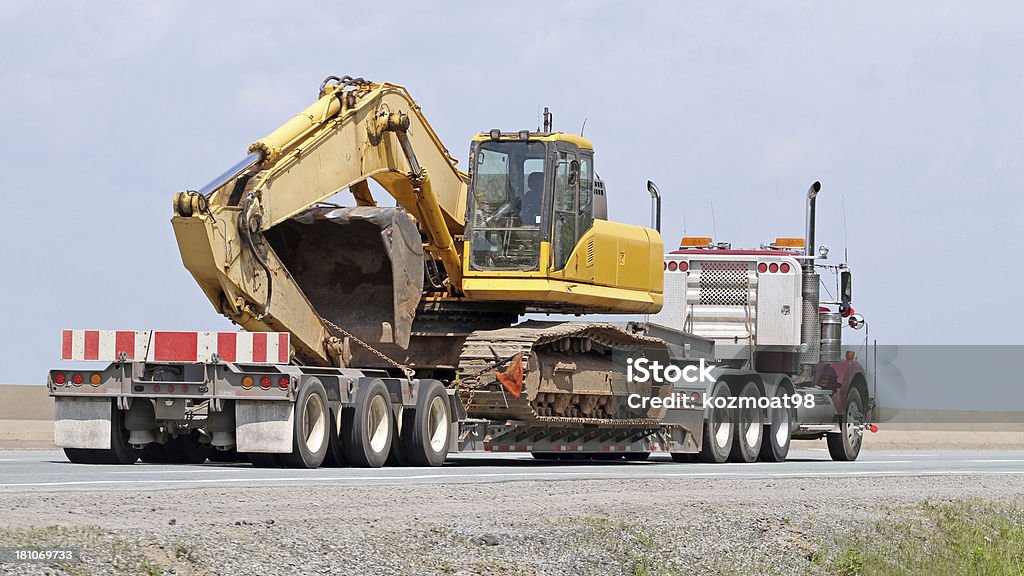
x,y
909,113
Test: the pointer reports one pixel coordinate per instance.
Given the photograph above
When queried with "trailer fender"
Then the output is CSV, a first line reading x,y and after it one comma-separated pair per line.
x,y
262,426
82,423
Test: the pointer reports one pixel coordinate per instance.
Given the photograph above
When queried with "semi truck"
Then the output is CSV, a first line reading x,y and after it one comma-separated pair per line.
x,y
375,335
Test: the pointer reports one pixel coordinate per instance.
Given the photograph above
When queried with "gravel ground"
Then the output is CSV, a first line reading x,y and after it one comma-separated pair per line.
x,y
564,527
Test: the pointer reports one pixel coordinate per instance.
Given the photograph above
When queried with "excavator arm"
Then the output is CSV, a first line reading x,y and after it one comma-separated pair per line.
x,y
258,238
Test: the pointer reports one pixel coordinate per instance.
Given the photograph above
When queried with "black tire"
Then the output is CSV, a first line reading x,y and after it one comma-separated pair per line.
x,y
311,427
187,449
719,429
80,455
367,428
263,460
778,433
845,446
335,457
749,435
120,452
426,428
155,453
225,456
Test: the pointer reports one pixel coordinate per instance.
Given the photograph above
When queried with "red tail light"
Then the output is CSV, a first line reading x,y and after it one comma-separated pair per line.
x,y
762,267
59,379
76,379
265,382
684,266
283,382
673,266
773,268
784,267
156,387
170,387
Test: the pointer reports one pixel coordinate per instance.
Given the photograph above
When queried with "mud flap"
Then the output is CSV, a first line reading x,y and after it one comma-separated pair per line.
x,y
360,267
263,426
82,423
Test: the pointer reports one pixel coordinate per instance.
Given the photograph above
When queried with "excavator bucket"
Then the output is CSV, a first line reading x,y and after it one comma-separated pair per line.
x,y
361,268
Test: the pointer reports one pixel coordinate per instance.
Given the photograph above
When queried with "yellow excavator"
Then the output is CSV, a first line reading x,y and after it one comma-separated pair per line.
x,y
435,284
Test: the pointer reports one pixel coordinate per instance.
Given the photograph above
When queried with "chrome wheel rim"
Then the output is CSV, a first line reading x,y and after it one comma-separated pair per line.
x,y
437,424
315,423
377,423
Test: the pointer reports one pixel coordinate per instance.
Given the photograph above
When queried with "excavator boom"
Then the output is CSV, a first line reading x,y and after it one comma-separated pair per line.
x,y
245,237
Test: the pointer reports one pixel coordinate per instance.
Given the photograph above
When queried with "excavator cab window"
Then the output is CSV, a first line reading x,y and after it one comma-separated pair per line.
x,y
506,211
573,203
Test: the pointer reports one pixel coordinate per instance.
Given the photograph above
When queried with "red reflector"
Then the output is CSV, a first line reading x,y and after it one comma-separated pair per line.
x,y
265,382
664,265
184,389
684,266
784,267
59,379
873,428
673,266
762,267
773,268
156,387
76,379
170,387
283,382
695,398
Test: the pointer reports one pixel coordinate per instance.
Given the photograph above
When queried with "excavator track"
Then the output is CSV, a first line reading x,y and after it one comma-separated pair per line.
x,y
574,373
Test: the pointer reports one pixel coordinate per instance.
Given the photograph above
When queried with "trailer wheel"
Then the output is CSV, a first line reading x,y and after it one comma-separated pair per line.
x,y
844,446
187,449
79,455
425,434
311,427
120,452
718,429
366,428
263,460
749,428
335,451
155,453
775,446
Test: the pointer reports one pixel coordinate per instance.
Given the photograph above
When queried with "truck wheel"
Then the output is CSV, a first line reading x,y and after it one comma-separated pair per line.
x,y
187,449
749,428
311,428
775,446
425,434
844,446
120,452
718,429
79,455
366,428
335,457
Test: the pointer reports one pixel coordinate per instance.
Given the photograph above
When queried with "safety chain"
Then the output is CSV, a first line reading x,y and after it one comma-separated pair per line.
x,y
409,373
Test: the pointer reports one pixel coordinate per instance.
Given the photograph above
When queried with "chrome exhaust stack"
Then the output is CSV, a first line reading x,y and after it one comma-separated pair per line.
x,y
810,321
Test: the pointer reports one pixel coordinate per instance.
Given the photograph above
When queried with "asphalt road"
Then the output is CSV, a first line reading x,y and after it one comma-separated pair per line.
x,y
22,471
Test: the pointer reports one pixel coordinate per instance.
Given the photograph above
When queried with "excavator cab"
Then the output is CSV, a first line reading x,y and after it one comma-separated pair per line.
x,y
532,235
531,200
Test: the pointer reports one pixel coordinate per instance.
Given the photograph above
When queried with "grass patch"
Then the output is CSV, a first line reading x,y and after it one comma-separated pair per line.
x,y
963,537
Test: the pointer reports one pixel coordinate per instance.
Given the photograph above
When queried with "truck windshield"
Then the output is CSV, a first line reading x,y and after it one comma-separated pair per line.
x,y
507,194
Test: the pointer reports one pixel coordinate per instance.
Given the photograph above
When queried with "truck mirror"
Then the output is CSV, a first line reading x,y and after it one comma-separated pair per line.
x,y
574,173
846,281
